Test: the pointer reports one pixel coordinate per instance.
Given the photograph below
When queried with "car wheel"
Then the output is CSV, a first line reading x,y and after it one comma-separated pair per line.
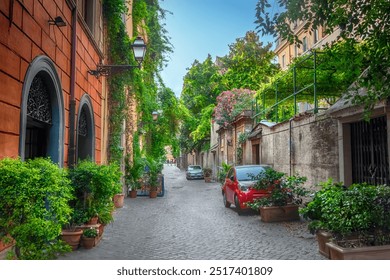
x,y
237,204
225,202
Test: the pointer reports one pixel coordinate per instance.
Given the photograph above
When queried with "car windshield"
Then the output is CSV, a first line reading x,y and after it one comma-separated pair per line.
x,y
194,168
246,173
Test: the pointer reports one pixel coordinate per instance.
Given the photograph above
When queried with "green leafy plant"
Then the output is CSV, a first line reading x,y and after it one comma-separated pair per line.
x,y
222,172
90,232
360,210
282,189
95,185
155,167
34,206
134,172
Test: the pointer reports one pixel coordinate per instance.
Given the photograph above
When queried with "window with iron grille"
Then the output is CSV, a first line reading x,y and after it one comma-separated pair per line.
x,y
369,149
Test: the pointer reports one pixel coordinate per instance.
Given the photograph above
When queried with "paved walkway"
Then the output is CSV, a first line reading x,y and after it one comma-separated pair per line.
x,y
190,222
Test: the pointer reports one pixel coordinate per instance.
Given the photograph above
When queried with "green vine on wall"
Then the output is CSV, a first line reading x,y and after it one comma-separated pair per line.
x,y
144,83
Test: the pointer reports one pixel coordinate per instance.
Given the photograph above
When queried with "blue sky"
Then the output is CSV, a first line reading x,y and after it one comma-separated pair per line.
x,y
201,27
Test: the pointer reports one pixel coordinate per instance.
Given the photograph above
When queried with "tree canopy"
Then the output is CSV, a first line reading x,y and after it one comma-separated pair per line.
x,y
358,20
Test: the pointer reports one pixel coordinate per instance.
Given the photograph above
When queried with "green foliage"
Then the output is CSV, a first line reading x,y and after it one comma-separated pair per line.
x,y
154,170
358,20
222,172
95,185
281,189
359,209
336,67
34,206
90,232
202,84
249,63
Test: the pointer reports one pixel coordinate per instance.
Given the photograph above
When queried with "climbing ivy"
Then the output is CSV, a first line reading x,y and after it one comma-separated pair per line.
x,y
143,83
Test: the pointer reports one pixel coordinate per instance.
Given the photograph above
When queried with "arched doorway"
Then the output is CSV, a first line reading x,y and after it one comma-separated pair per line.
x,y
42,113
85,130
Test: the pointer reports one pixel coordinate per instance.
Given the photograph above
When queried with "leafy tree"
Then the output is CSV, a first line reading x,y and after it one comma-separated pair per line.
x,y
358,20
249,63
202,84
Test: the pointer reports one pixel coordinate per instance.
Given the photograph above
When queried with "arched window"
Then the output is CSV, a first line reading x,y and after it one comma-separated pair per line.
x,y
85,130
42,112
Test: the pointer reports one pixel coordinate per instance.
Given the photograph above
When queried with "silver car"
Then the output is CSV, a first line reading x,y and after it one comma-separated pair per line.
x,y
194,172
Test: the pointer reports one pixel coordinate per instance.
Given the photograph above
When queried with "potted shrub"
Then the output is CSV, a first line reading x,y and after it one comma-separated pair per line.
x,y
154,168
313,211
357,217
34,206
284,196
89,236
95,186
134,173
207,172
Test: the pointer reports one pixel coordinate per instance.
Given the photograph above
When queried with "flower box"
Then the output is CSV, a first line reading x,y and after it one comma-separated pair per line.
x,y
285,213
337,252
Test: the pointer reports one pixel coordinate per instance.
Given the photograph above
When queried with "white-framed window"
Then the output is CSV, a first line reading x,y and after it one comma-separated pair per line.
x,y
304,44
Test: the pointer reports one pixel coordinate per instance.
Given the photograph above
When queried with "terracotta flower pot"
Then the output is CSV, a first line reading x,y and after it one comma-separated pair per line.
x,y
72,237
88,242
119,200
153,194
285,213
133,194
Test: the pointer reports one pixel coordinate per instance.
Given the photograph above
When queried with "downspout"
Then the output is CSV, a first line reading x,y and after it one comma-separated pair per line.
x,y
72,102
290,145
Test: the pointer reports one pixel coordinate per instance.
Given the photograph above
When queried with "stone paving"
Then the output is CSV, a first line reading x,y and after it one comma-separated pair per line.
x,y
190,223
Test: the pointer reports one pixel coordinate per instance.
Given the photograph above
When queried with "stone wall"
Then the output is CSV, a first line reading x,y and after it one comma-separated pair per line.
x,y
306,145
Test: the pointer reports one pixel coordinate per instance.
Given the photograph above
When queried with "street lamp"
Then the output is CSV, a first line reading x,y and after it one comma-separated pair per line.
x,y
139,49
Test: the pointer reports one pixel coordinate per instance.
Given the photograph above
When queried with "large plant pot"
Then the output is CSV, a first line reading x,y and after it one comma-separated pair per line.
x,y
323,237
119,200
270,214
337,252
207,179
72,237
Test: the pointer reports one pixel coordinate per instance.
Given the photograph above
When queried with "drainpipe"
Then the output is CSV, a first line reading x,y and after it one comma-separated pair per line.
x,y
72,102
290,145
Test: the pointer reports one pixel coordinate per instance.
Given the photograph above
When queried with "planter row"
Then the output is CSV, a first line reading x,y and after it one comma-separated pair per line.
x,y
333,251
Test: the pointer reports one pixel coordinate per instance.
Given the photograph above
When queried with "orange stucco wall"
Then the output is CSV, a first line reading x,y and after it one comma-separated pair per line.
x,y
25,34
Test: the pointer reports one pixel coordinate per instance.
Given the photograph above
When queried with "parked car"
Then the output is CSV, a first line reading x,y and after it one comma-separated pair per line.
x,y
194,172
237,188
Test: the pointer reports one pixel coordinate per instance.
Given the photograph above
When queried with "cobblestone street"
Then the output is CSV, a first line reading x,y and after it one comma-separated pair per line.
x,y
190,222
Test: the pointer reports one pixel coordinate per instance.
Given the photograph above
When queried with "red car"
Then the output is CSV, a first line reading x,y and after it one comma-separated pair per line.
x,y
237,188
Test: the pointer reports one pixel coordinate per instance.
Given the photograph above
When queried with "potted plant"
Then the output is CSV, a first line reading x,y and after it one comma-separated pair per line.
x,y
134,173
284,196
207,172
89,237
313,211
357,217
154,168
95,186
34,206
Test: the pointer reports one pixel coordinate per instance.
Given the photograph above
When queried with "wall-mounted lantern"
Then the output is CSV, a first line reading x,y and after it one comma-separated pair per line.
x,y
139,50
